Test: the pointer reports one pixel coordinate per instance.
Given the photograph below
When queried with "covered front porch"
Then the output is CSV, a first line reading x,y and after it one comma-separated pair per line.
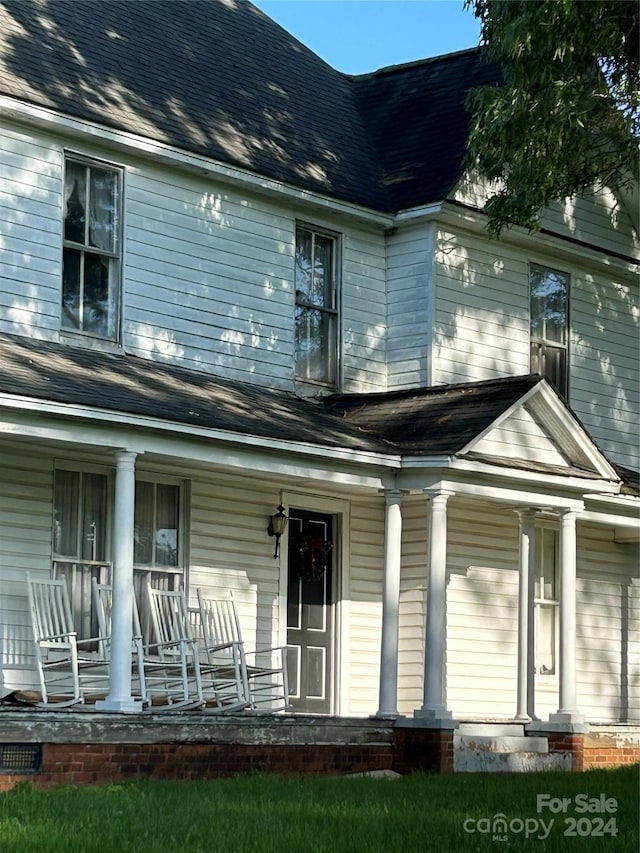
x,y
454,555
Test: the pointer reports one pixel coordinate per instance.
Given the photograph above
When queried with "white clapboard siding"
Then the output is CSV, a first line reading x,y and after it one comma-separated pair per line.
x,y
598,219
482,606
30,225
230,551
481,326
26,487
410,301
604,388
210,285
608,626
365,588
520,436
481,332
413,602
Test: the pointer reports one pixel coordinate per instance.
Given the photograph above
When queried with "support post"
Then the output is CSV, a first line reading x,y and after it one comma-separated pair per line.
x,y
567,712
390,605
120,697
434,706
526,613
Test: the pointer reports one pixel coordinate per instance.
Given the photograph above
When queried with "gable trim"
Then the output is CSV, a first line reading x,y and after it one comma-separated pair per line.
x,y
573,440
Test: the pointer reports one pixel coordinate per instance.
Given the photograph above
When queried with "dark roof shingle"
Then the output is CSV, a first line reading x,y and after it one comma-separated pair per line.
x,y
220,79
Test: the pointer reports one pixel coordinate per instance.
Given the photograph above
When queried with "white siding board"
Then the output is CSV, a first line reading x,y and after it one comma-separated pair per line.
x,y
604,387
30,228
365,608
481,311
521,437
409,295
26,485
597,219
413,600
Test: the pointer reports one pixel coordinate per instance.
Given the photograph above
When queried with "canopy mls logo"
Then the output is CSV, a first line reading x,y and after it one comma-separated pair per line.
x,y
597,824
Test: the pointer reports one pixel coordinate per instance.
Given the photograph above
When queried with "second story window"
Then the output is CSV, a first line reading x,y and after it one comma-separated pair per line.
x,y
549,300
316,318
91,250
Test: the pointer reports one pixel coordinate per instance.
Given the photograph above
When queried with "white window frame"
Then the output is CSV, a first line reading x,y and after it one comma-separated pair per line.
x,y
182,486
547,575
80,325
330,311
541,345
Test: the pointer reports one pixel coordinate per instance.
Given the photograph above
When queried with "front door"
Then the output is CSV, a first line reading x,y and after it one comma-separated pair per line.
x,y
310,610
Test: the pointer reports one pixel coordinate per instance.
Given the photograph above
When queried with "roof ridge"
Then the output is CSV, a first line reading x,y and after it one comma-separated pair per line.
x,y
415,63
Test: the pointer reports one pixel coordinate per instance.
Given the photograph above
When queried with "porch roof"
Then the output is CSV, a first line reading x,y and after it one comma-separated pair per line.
x,y
427,422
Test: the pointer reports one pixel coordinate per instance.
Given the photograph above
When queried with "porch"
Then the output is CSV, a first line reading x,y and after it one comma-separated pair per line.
x,y
85,746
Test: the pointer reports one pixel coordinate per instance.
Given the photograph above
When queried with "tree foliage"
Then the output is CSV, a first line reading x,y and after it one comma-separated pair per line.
x,y
567,118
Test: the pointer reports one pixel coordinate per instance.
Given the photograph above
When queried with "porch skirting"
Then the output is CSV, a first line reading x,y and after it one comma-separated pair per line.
x,y
88,747
92,748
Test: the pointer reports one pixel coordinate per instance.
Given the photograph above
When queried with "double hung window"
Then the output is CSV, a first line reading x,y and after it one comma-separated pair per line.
x,y
546,600
316,311
549,298
91,248
82,537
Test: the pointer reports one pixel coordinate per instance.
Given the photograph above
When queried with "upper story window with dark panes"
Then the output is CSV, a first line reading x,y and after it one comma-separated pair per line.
x,y
92,248
317,310
549,300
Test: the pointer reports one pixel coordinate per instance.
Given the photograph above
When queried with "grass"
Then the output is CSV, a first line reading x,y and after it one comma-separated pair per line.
x,y
312,815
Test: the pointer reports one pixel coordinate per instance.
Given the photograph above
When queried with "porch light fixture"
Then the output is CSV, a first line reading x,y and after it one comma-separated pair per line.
x,y
277,526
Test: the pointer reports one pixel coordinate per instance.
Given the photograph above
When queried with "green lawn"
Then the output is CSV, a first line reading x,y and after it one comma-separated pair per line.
x,y
463,812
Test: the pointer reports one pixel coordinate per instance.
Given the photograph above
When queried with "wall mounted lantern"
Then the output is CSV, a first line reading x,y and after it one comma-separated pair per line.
x,y
277,526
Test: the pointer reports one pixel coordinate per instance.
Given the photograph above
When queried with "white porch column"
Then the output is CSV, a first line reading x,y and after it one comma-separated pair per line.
x,y
433,706
567,712
390,606
526,615
120,698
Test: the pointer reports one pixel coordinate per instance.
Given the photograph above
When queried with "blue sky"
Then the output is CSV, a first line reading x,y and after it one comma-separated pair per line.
x,y
358,36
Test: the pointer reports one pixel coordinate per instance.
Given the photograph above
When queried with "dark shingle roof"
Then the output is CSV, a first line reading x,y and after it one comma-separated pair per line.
x,y
419,125
214,77
432,421
422,422
221,79
128,385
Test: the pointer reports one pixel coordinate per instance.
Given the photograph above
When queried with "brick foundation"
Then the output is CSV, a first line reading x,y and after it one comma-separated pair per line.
x,y
611,749
570,743
99,763
423,749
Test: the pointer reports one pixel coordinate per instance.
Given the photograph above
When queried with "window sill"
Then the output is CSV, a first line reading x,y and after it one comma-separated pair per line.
x,y
89,342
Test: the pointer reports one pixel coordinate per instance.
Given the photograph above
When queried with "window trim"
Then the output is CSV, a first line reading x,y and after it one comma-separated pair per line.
x,y
183,527
336,311
544,343
118,257
553,604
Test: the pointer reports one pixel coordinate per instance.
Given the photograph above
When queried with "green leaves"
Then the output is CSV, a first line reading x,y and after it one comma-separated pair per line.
x,y
567,117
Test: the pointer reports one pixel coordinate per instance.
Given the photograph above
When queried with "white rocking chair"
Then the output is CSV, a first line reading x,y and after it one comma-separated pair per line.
x,y
264,670
174,649
207,682
70,670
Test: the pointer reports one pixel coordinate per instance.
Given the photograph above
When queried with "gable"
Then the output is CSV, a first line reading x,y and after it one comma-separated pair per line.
x,y
540,430
522,438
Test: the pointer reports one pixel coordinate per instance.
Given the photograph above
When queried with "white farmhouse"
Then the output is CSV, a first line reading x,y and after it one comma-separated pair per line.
x,y
233,279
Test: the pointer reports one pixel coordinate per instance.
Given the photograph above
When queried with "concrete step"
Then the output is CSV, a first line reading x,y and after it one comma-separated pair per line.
x,y
491,729
509,762
497,743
